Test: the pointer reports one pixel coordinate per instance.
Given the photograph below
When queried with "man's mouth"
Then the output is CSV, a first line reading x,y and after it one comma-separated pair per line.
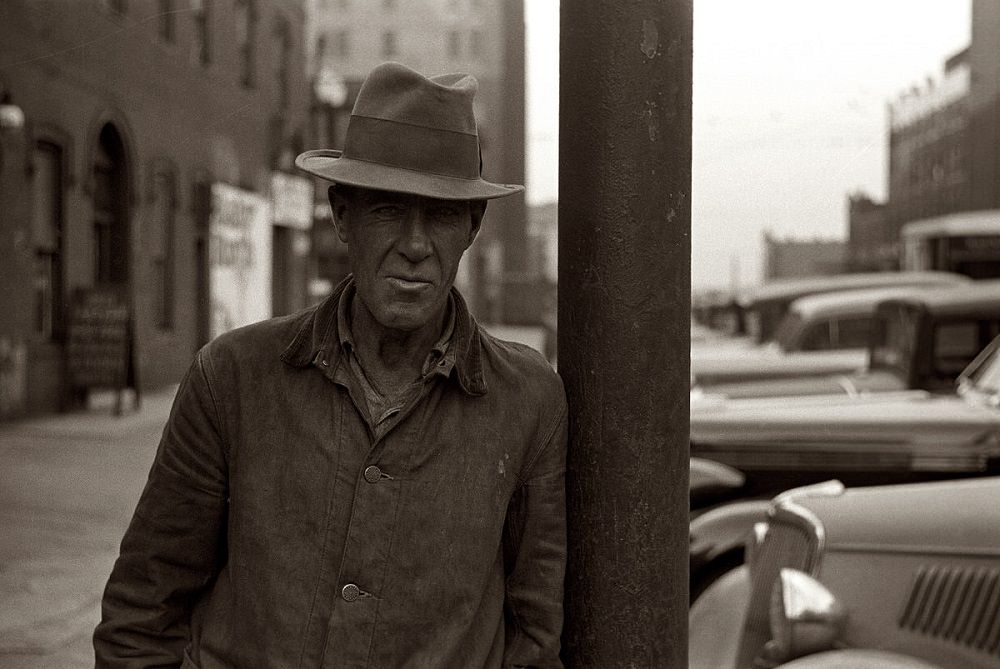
x,y
408,284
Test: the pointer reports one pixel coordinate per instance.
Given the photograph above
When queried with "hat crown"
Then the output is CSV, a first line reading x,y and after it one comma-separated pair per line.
x,y
394,92
411,134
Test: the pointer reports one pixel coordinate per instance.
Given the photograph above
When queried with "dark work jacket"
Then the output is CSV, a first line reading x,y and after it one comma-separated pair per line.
x,y
274,531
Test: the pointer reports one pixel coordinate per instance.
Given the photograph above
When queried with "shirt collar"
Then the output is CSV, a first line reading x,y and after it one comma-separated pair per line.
x,y
320,340
437,360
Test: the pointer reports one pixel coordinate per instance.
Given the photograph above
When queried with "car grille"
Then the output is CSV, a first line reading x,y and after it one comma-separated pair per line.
x,y
959,604
793,540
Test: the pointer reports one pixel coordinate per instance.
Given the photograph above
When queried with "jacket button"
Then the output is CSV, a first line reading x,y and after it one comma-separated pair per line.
x,y
350,592
372,474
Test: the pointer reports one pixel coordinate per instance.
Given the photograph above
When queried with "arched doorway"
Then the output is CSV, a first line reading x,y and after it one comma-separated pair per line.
x,y
111,229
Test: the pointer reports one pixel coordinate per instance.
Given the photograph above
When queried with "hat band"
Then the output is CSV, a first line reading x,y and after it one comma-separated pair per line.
x,y
412,147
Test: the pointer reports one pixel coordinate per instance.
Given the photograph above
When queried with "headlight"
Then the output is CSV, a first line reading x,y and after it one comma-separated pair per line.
x,y
805,617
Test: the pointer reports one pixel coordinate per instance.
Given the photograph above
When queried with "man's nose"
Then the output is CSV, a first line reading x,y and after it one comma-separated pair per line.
x,y
415,243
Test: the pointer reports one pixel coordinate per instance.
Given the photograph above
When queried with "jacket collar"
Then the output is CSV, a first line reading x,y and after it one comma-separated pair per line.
x,y
316,341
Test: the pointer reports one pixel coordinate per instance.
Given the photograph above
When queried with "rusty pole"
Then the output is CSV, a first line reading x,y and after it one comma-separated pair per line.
x,y
624,326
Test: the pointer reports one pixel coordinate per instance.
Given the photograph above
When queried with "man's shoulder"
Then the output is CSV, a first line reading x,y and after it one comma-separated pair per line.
x,y
511,358
267,337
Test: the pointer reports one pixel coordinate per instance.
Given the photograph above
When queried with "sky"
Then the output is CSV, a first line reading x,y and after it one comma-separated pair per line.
x,y
789,114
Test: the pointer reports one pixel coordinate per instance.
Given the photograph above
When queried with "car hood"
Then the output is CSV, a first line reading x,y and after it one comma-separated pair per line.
x,y
818,384
949,515
925,429
736,365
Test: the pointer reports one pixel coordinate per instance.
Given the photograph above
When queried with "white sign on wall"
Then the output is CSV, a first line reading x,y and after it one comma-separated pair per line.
x,y
292,199
239,258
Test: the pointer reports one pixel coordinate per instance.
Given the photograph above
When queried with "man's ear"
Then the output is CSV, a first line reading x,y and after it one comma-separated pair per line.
x,y
477,209
338,207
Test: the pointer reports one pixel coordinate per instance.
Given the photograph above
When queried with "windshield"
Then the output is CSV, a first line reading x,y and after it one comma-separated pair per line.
x,y
984,373
895,338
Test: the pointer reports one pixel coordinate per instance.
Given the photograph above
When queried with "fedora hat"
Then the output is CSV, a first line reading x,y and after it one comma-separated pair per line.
x,y
411,134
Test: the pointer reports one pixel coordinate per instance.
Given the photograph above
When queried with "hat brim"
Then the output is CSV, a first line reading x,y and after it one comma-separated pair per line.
x,y
331,165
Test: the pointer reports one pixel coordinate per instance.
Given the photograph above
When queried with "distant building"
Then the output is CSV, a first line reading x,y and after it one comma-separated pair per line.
x,y
154,160
929,166
943,151
873,241
347,38
787,258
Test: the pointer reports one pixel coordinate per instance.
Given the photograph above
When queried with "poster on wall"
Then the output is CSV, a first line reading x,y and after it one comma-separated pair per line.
x,y
239,258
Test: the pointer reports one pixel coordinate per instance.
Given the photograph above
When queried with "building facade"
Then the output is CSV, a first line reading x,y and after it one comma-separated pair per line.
x,y
790,258
943,149
148,162
347,38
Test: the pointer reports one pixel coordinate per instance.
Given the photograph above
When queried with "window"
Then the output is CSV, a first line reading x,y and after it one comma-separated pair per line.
x,y
167,21
853,332
111,239
283,73
246,33
454,44
160,243
46,232
476,43
201,52
389,46
320,53
342,44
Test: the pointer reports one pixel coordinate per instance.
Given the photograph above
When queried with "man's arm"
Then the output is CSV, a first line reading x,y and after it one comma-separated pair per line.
x,y
535,556
175,543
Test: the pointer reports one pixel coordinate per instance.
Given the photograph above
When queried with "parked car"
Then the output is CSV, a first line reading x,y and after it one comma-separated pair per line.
x,y
919,338
779,443
762,308
897,576
820,335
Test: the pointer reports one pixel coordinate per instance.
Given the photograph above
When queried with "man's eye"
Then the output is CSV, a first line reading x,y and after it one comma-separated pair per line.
x,y
445,212
386,210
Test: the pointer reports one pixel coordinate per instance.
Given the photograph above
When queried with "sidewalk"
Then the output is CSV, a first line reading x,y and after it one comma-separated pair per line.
x,y
68,485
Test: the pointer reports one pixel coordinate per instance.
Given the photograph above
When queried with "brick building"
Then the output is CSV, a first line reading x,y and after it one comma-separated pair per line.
x,y
153,136
943,152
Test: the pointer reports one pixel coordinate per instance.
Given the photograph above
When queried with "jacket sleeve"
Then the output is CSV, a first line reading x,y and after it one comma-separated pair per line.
x,y
175,543
535,557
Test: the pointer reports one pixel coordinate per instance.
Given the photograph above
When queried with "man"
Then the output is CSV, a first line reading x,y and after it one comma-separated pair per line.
x,y
374,482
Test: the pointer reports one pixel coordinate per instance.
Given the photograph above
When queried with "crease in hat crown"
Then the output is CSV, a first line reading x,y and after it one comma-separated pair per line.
x,y
413,134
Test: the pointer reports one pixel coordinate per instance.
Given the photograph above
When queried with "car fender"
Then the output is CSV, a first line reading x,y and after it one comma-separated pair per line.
x,y
711,481
715,621
858,659
722,531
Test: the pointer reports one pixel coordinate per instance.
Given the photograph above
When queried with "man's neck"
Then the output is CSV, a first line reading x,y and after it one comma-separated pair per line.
x,y
391,356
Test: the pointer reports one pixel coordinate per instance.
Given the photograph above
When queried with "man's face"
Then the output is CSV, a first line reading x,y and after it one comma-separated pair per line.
x,y
404,251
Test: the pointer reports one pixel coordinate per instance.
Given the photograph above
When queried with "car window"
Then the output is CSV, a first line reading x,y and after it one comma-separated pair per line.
x,y
896,337
986,376
817,337
789,333
852,332
956,343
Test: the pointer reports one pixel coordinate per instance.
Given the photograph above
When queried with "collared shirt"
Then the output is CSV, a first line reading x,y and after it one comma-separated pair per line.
x,y
383,407
277,530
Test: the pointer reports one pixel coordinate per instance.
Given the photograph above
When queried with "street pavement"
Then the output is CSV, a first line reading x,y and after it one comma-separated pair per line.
x,y
68,486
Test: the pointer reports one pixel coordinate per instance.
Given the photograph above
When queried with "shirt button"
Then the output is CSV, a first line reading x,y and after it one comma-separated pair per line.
x,y
350,592
372,474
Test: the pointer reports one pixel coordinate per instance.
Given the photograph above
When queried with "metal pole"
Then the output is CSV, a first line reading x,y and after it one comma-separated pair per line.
x,y
624,326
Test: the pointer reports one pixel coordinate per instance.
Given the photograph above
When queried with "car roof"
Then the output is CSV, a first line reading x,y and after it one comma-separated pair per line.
x,y
962,223
855,302
981,296
788,289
